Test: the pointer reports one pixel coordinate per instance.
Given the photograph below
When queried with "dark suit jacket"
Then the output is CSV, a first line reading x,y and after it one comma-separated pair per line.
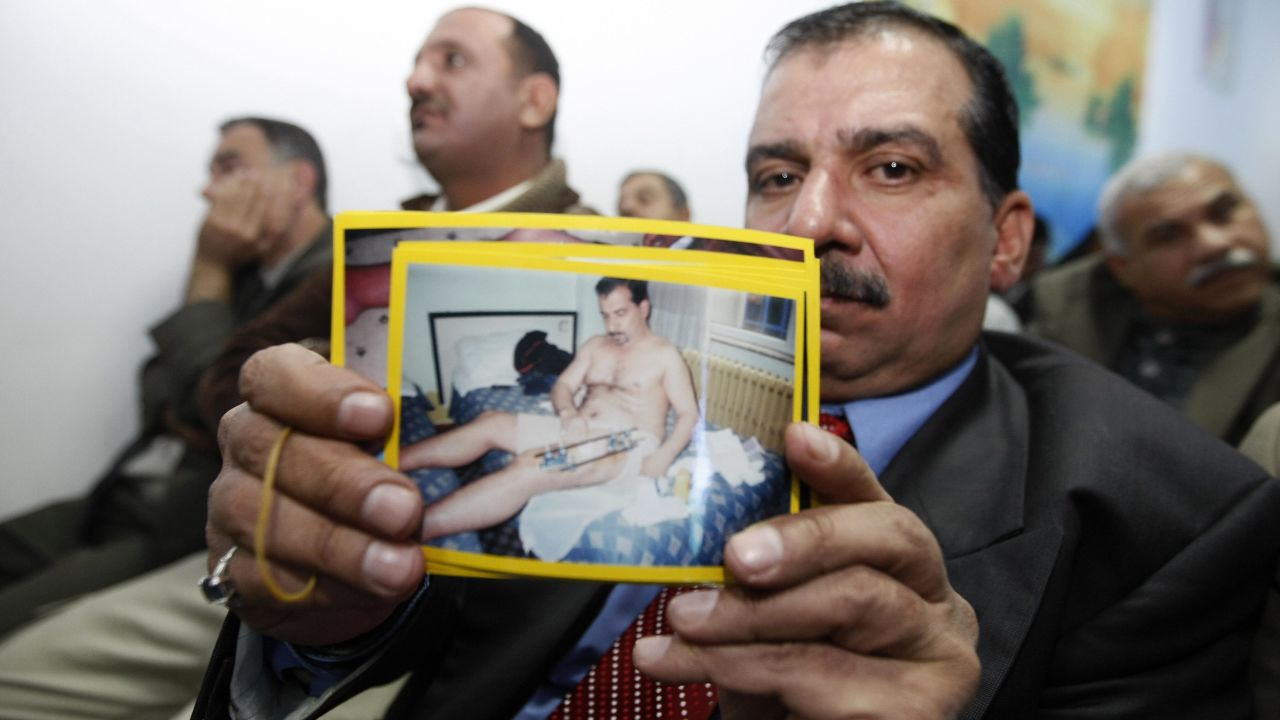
x,y
1262,445
1116,556
1082,306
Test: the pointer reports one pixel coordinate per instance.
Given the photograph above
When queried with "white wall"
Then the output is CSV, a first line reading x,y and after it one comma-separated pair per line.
x,y
1182,110
110,110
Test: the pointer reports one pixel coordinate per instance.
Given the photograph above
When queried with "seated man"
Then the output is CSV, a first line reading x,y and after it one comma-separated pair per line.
x,y
265,229
1183,301
631,377
655,195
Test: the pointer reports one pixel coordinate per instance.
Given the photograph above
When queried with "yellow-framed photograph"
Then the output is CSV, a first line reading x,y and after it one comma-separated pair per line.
x,y
581,409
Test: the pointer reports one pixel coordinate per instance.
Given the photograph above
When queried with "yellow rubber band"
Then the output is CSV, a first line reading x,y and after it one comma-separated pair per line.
x,y
260,531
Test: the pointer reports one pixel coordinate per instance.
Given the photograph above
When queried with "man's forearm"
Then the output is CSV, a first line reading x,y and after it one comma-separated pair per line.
x,y
562,399
670,448
208,281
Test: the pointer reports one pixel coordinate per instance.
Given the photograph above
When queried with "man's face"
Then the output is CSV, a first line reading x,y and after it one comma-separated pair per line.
x,y
860,147
464,98
623,318
1197,247
242,150
646,196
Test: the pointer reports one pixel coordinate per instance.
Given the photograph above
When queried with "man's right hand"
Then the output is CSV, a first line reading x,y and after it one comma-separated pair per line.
x,y
247,216
573,427
338,513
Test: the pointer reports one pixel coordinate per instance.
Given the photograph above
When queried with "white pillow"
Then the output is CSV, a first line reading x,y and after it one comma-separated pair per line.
x,y
485,360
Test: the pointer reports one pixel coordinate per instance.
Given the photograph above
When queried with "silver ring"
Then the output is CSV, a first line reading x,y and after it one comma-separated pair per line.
x,y
217,586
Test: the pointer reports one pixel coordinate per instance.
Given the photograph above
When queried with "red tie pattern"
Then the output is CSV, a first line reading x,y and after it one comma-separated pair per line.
x,y
836,425
613,688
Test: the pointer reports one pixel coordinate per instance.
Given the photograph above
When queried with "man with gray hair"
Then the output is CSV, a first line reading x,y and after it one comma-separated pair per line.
x,y
1183,300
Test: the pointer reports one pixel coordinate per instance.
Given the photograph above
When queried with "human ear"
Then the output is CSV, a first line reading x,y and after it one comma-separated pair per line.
x,y
538,98
304,178
1015,220
1119,267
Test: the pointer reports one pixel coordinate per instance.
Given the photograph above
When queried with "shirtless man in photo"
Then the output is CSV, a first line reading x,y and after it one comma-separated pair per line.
x,y
631,376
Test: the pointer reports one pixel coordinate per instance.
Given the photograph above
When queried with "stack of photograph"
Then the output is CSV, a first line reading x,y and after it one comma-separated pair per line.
x,y
572,402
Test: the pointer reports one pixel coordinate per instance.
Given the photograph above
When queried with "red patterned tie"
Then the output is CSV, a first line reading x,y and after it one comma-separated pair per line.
x,y
613,688
837,425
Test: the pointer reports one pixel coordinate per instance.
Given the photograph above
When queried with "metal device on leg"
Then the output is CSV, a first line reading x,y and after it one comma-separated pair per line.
x,y
560,458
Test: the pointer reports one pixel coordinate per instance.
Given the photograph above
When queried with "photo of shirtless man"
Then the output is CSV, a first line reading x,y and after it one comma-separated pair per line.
x,y
611,404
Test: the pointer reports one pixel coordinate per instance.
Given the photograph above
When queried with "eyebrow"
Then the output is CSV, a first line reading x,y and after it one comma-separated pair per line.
x,y
854,141
224,156
1162,228
785,150
446,44
860,141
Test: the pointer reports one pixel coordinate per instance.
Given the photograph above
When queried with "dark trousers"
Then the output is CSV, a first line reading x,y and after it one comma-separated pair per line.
x,y
70,548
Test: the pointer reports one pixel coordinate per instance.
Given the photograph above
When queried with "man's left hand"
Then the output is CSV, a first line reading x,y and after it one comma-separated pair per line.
x,y
839,611
654,467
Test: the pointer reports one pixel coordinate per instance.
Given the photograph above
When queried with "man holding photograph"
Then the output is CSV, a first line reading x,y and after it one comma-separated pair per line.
x,y
995,482
631,377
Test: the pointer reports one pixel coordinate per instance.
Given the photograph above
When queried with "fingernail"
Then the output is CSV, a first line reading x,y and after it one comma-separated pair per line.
x,y
693,607
823,445
390,508
757,549
651,649
363,413
388,567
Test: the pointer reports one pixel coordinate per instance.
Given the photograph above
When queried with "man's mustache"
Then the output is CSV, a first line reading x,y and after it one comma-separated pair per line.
x,y
1235,258
433,105
848,283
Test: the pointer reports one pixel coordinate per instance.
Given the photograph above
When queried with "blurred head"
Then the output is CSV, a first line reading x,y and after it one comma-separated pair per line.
x,y
890,138
1181,234
260,145
624,306
483,84
651,194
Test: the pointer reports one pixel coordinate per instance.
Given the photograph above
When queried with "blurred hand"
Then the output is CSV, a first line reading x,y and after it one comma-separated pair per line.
x,y
338,513
573,428
839,611
248,216
654,467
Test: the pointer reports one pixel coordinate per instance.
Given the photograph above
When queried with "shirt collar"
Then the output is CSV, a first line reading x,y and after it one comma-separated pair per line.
x,y
487,205
882,425
272,276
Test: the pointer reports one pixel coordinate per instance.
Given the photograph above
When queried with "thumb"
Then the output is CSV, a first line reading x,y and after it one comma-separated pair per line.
x,y
832,467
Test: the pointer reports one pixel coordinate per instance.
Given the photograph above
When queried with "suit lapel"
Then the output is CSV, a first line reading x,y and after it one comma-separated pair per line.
x,y
1109,318
252,297
318,253
506,635
1087,310
1226,385
965,473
